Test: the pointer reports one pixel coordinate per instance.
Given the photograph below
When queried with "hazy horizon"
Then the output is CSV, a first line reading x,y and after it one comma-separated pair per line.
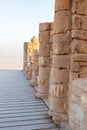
x,y
11,62
19,22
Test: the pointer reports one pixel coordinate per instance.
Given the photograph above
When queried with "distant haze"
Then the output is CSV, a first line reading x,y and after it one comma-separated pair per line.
x,y
11,62
19,21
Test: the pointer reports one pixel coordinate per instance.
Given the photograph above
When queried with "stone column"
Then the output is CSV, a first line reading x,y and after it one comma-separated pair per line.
x,y
44,60
25,58
30,60
35,68
60,62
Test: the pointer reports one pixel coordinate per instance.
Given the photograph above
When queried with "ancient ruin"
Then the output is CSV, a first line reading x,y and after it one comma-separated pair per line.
x,y
58,67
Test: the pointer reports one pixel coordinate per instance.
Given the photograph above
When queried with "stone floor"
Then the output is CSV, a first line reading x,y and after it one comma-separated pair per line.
x,y
19,108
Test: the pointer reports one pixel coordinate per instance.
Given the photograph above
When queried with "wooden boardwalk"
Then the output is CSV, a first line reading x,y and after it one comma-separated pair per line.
x,y
19,108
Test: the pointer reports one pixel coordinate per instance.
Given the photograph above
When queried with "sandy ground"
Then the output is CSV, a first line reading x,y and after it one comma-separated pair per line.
x,y
11,62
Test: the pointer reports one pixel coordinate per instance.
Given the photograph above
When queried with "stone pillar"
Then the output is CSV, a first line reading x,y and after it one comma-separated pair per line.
x,y
60,62
78,67
33,45
25,57
35,68
30,60
44,60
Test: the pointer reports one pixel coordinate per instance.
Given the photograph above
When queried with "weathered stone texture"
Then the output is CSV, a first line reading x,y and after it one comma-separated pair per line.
x,y
79,7
44,26
79,34
76,21
62,5
44,61
60,61
35,68
59,90
44,50
44,72
62,21
61,43
78,46
45,35
59,75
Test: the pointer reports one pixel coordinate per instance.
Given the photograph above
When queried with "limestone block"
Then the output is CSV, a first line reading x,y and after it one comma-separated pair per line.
x,y
42,81
35,52
44,26
34,79
76,21
83,72
44,72
62,5
79,46
59,75
35,66
43,61
84,23
60,119
59,105
30,74
73,75
51,54
59,90
30,45
42,91
61,43
79,34
83,64
35,58
30,52
79,6
35,45
52,24
44,50
74,66
62,21
44,37
51,46
60,61
79,57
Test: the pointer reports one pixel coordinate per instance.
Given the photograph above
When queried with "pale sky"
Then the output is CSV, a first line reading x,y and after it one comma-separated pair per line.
x,y
19,22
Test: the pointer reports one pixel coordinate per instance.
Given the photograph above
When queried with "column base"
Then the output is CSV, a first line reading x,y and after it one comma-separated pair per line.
x,y
50,113
60,119
41,95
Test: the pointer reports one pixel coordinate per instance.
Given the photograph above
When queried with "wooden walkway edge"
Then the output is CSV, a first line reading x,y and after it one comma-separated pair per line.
x,y
19,108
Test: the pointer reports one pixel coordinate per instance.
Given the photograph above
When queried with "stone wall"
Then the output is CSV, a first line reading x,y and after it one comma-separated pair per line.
x,y
78,67
79,39
78,104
